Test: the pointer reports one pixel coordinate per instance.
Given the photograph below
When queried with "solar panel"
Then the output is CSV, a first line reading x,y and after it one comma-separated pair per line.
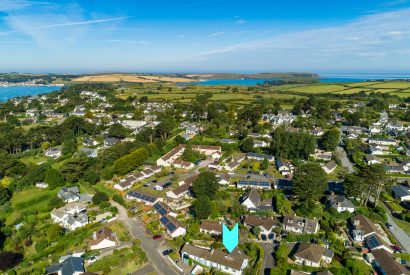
x,y
171,227
163,220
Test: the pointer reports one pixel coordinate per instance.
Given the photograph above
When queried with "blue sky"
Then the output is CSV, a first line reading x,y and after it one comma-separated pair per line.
x,y
204,36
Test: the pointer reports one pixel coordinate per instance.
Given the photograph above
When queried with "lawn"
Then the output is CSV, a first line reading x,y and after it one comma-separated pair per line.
x,y
317,89
37,159
32,199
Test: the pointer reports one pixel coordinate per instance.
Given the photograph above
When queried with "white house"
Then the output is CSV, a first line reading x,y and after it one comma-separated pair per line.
x,y
401,192
308,254
173,226
103,238
71,216
53,152
340,203
233,263
211,228
300,225
329,167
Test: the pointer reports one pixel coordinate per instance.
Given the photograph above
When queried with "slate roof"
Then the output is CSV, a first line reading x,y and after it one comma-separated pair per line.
x,y
339,201
254,196
387,261
68,267
401,191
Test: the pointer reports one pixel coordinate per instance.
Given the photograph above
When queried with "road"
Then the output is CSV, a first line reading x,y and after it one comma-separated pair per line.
x,y
402,237
137,231
344,159
269,261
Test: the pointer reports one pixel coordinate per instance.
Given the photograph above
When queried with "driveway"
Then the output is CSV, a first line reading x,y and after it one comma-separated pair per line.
x,y
269,261
344,159
137,230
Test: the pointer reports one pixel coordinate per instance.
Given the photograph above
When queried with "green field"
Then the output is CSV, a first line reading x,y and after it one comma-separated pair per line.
x,y
315,89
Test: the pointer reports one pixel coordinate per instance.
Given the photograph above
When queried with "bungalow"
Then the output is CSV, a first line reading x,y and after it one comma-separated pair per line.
x,y
41,185
90,142
394,168
285,168
211,228
317,132
171,156
69,194
329,167
260,157
371,159
250,183
282,184
401,192
72,265
147,199
111,141
235,162
362,227
103,238
89,152
374,242
308,254
386,263
53,152
224,179
322,155
163,209
252,201
232,263
340,203
300,225
173,226
227,141
266,225
385,142
260,144
179,192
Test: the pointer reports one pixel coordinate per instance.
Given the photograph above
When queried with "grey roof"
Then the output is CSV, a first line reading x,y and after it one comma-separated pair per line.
x,y
401,191
339,201
69,193
254,196
68,267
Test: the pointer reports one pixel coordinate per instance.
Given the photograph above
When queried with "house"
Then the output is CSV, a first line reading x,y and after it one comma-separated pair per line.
x,y
401,192
89,152
227,141
71,216
340,203
260,157
180,191
72,265
361,227
329,167
266,225
103,238
110,141
285,168
386,263
183,164
224,179
211,228
322,155
374,242
90,142
260,184
41,185
145,198
53,152
313,255
371,159
173,226
233,263
394,168
300,225
252,201
385,142
125,184
260,144
70,194
235,162
169,158
163,209
317,132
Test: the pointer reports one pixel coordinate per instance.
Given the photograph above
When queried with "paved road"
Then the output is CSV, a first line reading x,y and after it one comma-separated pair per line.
x,y
344,159
402,237
137,231
269,261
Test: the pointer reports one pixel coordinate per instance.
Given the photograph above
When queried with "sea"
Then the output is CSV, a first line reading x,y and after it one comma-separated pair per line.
x,y
7,93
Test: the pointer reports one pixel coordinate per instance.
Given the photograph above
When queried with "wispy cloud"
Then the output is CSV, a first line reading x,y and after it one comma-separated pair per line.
x,y
13,5
216,34
365,40
79,23
240,22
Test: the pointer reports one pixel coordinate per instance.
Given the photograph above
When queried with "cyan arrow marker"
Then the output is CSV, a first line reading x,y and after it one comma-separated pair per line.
x,y
230,237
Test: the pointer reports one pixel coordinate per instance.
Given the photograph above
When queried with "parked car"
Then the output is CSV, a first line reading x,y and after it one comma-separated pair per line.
x,y
390,226
157,237
167,252
92,259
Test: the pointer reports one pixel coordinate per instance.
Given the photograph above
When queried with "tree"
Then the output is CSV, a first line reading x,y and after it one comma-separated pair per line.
x,y
69,146
330,139
143,99
73,169
53,178
131,161
202,207
190,155
206,185
264,164
118,131
54,231
376,179
281,255
9,260
309,182
247,145
5,194
100,197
